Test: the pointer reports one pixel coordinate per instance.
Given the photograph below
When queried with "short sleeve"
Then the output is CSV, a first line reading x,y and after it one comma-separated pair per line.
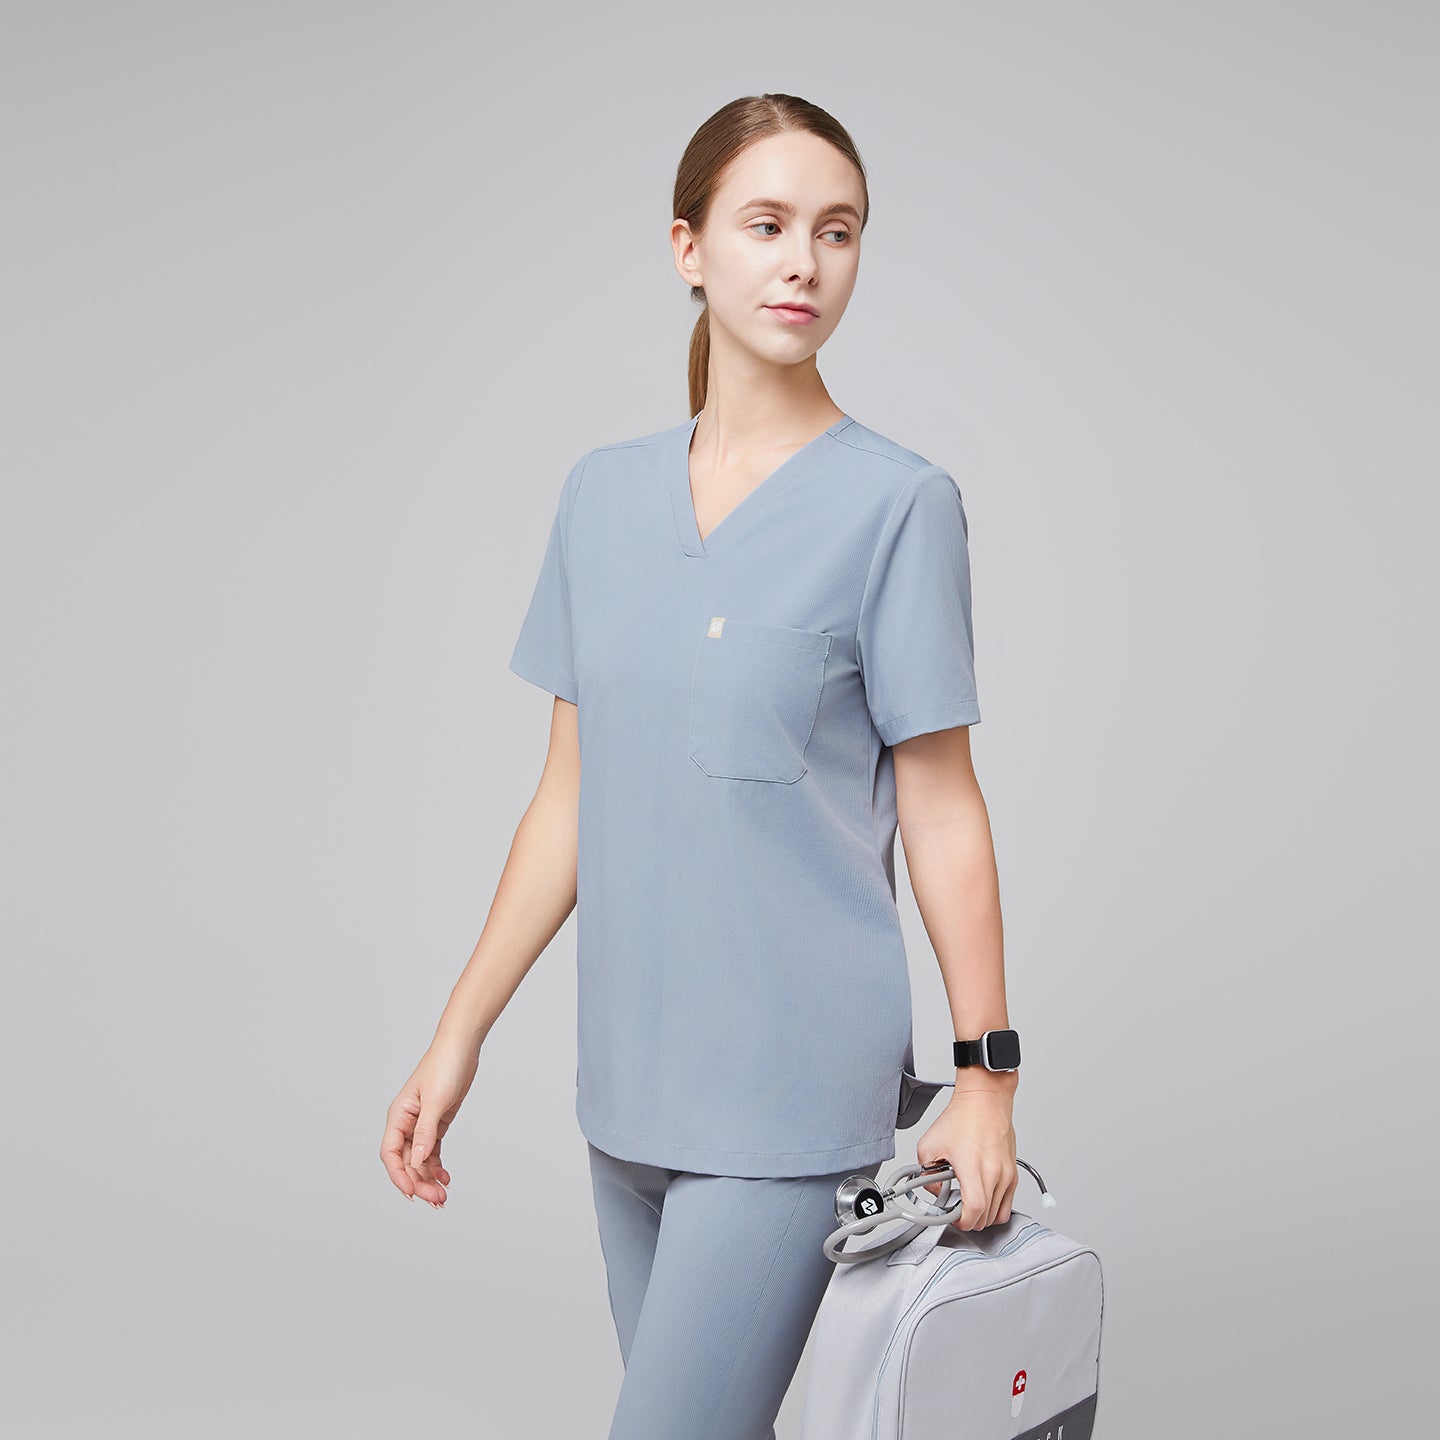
x,y
544,653
915,641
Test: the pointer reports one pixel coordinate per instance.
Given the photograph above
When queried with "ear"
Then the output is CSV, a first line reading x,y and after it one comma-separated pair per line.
x,y
687,255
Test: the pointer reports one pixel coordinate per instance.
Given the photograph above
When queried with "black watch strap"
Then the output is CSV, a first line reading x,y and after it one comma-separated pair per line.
x,y
969,1052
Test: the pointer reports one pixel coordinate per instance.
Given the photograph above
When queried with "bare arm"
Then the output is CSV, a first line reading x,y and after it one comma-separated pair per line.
x,y
950,856
535,894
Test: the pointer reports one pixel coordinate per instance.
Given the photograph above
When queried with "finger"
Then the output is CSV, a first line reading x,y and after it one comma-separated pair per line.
x,y
436,1169
422,1142
1009,1179
989,1196
421,1171
430,1169
1007,1204
425,1148
427,1187
392,1155
996,1185
974,1196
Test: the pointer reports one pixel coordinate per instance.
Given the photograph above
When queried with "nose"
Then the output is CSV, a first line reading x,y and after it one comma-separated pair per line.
x,y
802,266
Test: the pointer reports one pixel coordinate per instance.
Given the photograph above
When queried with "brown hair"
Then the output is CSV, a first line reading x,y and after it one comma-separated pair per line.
x,y
712,147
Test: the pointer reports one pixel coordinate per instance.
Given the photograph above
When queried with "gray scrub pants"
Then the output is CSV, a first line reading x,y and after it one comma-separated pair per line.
x,y
714,1284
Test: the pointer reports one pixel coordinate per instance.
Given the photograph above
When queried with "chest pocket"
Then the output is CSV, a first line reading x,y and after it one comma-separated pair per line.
x,y
754,697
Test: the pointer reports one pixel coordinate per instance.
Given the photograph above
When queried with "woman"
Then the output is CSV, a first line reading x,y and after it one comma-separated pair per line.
x,y
757,629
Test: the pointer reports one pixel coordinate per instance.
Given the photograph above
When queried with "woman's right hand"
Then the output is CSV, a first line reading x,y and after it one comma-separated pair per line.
x,y
420,1115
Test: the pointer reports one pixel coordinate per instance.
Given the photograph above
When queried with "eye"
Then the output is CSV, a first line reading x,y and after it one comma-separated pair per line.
x,y
754,223
844,233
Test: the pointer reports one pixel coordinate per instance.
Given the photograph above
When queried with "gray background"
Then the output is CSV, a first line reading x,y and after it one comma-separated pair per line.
x,y
308,309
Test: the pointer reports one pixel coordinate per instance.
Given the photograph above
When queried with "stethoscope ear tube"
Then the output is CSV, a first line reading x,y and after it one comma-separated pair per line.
x,y
860,1206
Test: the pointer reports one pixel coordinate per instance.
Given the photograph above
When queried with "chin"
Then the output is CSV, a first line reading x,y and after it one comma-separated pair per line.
x,y
787,345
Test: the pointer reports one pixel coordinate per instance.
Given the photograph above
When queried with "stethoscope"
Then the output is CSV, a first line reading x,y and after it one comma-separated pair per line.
x,y
860,1206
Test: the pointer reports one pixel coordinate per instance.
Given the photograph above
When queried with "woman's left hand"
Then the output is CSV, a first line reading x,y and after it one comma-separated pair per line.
x,y
976,1135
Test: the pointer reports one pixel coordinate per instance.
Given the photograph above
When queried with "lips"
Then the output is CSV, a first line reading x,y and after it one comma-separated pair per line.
x,y
793,314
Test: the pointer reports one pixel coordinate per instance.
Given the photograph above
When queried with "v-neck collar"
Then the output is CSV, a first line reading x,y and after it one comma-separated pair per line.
x,y
743,515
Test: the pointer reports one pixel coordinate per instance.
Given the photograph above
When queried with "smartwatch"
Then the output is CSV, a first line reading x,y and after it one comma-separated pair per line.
x,y
995,1050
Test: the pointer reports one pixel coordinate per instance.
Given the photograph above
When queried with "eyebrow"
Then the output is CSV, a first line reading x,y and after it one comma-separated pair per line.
x,y
785,208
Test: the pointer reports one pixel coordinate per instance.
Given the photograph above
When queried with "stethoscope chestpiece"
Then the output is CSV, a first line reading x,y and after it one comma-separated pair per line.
x,y
857,1199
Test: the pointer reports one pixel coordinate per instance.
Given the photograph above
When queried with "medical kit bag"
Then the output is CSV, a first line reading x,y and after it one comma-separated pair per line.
x,y
938,1333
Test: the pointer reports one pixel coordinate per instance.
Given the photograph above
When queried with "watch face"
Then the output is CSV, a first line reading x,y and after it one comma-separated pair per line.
x,y
1003,1049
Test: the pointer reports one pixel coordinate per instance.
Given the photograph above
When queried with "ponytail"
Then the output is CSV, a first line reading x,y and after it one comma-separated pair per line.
x,y
699,353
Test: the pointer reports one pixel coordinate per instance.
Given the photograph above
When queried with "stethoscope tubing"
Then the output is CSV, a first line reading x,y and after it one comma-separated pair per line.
x,y
860,1206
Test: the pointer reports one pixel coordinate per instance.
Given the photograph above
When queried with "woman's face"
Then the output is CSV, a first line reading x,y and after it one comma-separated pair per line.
x,y
783,229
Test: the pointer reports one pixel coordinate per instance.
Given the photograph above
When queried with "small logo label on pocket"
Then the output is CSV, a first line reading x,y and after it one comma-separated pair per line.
x,y
716,626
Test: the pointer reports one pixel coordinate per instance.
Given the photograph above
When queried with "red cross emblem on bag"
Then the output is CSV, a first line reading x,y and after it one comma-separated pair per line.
x,y
1017,1393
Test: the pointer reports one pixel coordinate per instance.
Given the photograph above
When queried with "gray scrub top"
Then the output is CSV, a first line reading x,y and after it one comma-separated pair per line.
x,y
744,999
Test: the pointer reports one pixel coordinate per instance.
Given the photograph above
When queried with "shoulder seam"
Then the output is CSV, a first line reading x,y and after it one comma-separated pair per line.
x,y
880,455
641,443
